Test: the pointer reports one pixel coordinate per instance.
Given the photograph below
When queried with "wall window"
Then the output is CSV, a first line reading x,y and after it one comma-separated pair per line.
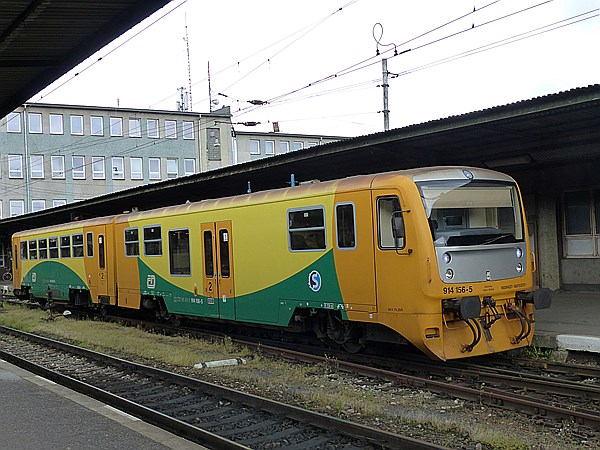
x,y
58,167
152,125
345,227
269,147
118,168
136,168
13,122
78,169
77,125
152,241
53,247
297,145
306,229
43,248
179,252
17,207
132,242
36,165
35,122
38,205
98,168
58,202
312,144
189,166
56,124
172,171
154,168
116,126
254,147
386,207
135,127
582,224
171,129
213,144
15,166
188,130
284,147
97,125
65,246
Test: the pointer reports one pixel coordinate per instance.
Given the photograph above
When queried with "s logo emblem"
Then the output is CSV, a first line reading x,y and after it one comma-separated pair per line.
x,y
314,281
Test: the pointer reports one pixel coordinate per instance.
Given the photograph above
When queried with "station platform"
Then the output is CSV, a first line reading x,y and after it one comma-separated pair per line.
x,y
572,323
36,413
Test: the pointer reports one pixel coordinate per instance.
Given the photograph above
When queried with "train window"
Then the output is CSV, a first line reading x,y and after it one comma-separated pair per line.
x,y
209,267
152,241
78,246
24,253
179,252
132,242
386,207
33,249
306,229
224,253
65,246
101,255
345,227
43,248
16,259
53,247
90,244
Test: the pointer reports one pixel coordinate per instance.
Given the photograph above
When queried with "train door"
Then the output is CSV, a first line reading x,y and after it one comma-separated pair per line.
x,y
217,276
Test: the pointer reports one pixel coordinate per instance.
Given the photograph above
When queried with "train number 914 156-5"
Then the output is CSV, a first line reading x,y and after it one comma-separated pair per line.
x,y
458,289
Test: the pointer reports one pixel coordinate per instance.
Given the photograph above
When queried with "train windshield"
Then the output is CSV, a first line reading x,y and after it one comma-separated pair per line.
x,y
469,212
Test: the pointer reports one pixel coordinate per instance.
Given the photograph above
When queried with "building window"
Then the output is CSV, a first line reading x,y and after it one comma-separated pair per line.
x,y
172,171
284,147
58,202
56,124
78,170
345,226
254,147
97,125
98,168
136,168
77,125
297,145
306,229
213,144
154,168
15,166
58,167
38,205
152,125
582,224
189,166
17,207
118,168
171,129
13,123
269,147
188,130
179,252
312,144
36,165
135,127
152,241
132,242
35,122
116,126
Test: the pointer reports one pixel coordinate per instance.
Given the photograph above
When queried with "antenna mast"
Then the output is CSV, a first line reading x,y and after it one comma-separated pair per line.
x,y
209,96
187,46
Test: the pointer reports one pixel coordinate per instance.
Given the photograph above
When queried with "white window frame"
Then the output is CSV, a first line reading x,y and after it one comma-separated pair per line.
x,y
188,130
269,147
98,174
254,147
186,168
312,144
118,168
58,202
38,205
285,145
14,205
78,120
153,174
13,122
116,126
36,166
97,129
297,145
135,131
17,170
35,130
172,168
171,129
58,173
56,124
152,131
134,172
78,168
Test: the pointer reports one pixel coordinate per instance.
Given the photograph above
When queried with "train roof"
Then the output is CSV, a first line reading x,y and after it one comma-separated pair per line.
x,y
68,226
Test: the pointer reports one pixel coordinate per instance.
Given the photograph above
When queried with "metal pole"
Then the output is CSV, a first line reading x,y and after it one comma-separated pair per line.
x,y
385,85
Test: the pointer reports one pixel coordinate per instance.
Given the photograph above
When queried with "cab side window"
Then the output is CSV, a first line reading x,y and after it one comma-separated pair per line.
x,y
389,212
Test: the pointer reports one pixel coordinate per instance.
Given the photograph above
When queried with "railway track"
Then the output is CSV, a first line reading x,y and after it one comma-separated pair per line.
x,y
202,412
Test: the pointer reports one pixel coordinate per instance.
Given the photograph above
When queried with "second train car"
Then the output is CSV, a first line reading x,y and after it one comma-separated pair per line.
x,y
435,256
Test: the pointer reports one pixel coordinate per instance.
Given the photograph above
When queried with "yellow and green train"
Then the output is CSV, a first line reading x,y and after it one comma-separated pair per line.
x,y
438,257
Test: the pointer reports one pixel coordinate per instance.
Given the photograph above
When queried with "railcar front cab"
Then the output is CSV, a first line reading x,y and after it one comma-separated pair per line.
x,y
480,245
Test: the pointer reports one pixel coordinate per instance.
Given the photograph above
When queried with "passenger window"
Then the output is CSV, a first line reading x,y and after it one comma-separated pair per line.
x,y
209,267
89,237
152,241
132,242
33,249
345,228
43,248
65,246
306,229
224,253
179,252
101,255
78,246
24,252
53,247
388,207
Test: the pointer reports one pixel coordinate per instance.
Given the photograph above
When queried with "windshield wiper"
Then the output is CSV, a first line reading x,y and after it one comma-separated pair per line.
x,y
496,238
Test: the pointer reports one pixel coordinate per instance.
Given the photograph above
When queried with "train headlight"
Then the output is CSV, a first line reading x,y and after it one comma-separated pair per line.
x,y
519,267
449,274
447,258
519,253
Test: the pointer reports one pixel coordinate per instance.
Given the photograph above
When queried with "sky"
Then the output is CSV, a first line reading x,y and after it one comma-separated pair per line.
x,y
316,67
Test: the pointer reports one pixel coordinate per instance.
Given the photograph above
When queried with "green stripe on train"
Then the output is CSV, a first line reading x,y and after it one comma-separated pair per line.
x,y
54,275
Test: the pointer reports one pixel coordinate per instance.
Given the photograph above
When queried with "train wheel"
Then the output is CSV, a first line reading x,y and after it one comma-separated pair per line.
x,y
352,346
175,320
